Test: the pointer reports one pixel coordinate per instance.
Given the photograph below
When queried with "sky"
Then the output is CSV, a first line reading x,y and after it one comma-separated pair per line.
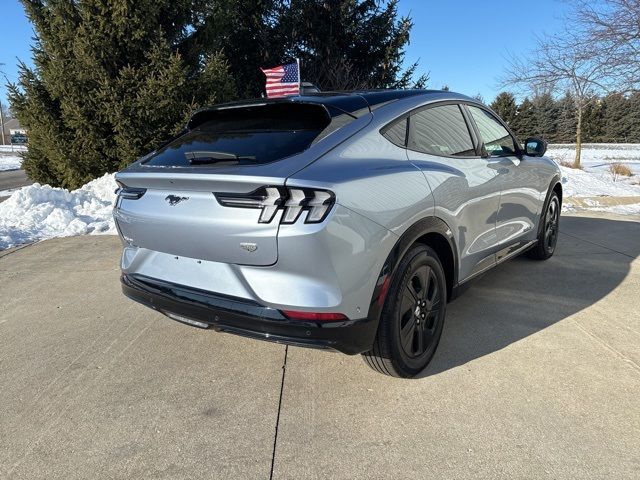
x,y
464,44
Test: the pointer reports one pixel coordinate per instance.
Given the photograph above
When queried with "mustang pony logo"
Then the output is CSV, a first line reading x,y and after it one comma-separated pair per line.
x,y
174,199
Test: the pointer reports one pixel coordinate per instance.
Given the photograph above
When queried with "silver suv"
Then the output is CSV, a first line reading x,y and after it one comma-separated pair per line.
x,y
338,220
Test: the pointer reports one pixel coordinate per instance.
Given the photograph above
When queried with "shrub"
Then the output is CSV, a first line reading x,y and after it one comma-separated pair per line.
x,y
619,170
109,84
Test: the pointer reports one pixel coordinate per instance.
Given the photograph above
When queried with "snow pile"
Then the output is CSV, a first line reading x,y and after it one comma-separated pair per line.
x,y
10,162
39,211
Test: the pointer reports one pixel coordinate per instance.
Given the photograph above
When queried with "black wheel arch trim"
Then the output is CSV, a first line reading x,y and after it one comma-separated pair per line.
x,y
412,235
555,181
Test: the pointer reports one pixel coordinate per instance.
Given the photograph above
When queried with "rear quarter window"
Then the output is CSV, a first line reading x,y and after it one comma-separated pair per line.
x,y
440,130
396,133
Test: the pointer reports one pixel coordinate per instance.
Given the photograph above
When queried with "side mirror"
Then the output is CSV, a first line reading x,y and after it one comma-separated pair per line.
x,y
535,147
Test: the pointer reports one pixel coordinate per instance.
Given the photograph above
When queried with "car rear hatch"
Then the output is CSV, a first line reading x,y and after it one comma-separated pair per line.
x,y
169,201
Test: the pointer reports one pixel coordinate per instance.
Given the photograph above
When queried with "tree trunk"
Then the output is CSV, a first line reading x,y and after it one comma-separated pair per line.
x,y
576,161
2,123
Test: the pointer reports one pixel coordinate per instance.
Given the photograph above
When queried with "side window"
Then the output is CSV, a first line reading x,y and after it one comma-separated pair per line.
x,y
440,131
496,138
396,133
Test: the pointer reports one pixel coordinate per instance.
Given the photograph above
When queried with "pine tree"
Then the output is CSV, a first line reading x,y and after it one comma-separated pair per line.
x,y
593,121
109,84
248,32
634,118
524,123
505,106
546,116
349,44
566,126
616,118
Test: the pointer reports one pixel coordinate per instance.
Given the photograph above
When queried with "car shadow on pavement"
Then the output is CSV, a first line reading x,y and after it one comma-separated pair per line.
x,y
523,296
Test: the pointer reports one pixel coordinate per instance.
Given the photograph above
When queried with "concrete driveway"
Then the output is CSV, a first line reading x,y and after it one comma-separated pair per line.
x,y
12,179
537,376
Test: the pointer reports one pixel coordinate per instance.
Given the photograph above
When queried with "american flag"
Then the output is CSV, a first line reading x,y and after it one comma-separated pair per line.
x,y
282,80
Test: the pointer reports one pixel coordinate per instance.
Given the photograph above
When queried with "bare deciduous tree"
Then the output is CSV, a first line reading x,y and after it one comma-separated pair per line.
x,y
612,28
563,63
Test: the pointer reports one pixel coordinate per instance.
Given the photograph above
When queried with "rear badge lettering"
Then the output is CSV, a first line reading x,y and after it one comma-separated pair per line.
x,y
249,247
174,199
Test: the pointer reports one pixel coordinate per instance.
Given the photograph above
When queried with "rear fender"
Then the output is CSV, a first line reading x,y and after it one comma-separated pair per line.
x,y
413,234
554,181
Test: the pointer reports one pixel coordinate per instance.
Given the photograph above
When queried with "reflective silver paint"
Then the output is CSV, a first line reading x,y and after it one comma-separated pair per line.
x,y
491,206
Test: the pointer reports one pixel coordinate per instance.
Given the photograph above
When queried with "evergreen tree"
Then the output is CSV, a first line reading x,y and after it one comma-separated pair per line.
x,y
524,123
546,116
248,32
505,106
566,125
349,44
109,84
593,121
633,121
616,118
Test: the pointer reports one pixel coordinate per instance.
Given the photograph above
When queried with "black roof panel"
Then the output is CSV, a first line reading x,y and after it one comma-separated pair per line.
x,y
354,103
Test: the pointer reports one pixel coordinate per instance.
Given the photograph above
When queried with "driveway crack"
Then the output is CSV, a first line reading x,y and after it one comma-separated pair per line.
x,y
275,437
597,244
607,346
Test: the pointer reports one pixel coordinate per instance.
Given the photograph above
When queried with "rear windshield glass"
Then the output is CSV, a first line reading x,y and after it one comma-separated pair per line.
x,y
246,136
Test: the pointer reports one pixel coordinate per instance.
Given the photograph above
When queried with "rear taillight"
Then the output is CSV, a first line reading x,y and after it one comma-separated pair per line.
x,y
129,193
292,200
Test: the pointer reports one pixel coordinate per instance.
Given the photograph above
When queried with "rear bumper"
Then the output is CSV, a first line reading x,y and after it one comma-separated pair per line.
x,y
247,318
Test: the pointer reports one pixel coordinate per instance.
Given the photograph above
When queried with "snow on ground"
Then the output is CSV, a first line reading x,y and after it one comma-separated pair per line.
x,y
595,180
39,211
10,162
631,209
598,153
13,148
585,183
597,157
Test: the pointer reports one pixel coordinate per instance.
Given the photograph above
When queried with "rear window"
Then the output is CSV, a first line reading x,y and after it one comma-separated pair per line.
x,y
246,136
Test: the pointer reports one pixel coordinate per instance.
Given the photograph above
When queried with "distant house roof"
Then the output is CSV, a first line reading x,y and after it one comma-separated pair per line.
x,y
11,124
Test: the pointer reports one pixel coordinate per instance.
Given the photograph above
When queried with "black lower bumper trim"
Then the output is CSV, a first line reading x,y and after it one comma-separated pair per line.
x,y
247,318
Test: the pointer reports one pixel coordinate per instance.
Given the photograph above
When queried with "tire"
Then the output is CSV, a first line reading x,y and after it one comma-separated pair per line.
x,y
549,231
412,317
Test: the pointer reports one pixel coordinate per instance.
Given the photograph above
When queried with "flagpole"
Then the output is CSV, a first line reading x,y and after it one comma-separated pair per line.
x,y
299,82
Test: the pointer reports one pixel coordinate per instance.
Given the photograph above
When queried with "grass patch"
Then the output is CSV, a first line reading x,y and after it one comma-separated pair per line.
x,y
618,170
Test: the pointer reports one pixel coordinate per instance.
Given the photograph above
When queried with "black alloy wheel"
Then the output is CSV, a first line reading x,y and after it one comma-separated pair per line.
x,y
421,302
551,225
413,316
549,231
